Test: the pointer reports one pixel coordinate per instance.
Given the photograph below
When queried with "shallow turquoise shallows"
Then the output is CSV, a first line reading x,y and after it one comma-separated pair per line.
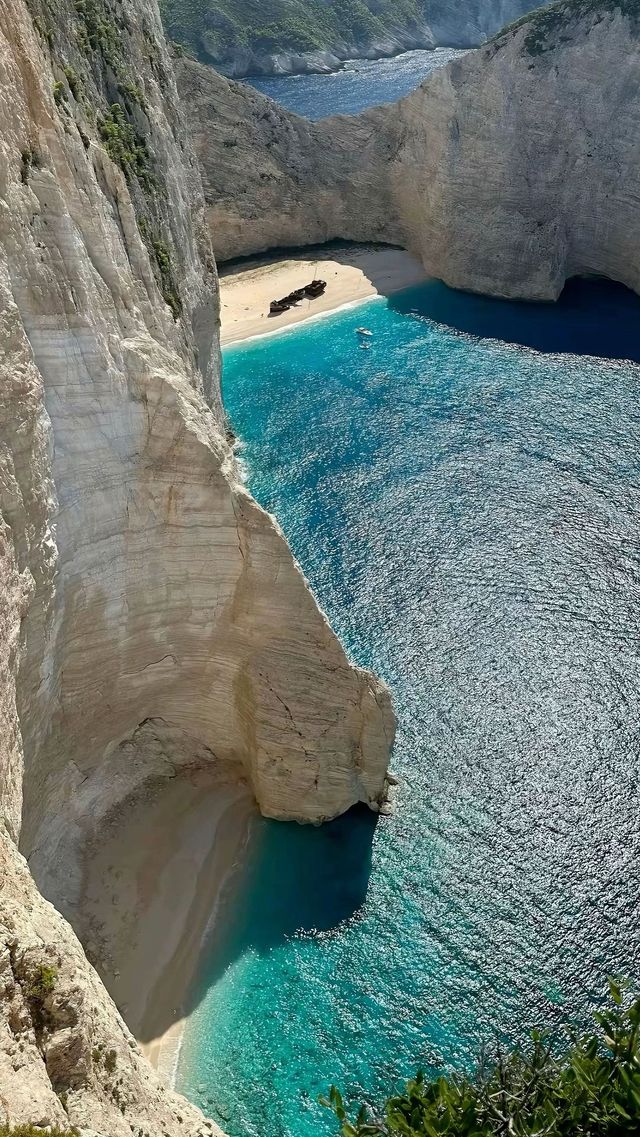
x,y
468,513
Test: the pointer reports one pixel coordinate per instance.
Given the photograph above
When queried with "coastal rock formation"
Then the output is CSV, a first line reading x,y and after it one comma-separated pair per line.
x,y
66,1057
151,614
507,172
274,180
517,165
302,37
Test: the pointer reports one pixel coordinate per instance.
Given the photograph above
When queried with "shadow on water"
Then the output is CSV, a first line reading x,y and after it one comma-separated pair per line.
x,y
591,317
299,880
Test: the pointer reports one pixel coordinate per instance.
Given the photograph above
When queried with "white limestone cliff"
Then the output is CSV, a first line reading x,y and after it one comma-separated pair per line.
x,y
507,172
151,614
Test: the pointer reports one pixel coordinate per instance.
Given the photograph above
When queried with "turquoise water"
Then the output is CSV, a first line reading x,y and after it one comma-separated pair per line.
x,y
360,84
468,512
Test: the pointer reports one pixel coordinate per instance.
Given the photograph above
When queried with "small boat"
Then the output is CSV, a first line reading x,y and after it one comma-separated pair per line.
x,y
363,332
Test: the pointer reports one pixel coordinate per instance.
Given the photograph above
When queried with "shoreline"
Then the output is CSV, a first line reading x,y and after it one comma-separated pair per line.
x,y
155,888
353,274
163,1051
313,69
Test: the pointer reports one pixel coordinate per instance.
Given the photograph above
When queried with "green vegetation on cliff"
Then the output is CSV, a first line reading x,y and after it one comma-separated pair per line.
x,y
217,28
549,27
591,1090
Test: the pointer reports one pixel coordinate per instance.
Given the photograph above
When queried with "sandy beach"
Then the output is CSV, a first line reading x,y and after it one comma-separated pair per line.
x,y
152,890
352,273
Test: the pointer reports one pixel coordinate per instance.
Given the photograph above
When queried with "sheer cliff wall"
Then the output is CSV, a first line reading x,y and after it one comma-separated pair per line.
x,y
151,614
509,171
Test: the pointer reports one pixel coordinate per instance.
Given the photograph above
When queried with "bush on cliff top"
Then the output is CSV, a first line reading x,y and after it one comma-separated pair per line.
x,y
548,27
215,29
592,1090
34,1131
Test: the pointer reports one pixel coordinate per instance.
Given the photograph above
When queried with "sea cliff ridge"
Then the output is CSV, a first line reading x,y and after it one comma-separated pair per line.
x,y
507,172
153,619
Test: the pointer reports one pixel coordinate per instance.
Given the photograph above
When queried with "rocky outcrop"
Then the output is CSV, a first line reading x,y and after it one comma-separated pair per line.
x,y
151,614
507,172
66,1057
518,166
224,37
274,180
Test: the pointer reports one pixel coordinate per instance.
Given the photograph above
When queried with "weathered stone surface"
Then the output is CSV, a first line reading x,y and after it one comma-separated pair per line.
x,y
509,171
518,165
274,180
69,1059
151,614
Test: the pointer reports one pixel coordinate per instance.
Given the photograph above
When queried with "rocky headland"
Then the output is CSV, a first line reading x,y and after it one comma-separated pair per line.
x,y
294,37
507,172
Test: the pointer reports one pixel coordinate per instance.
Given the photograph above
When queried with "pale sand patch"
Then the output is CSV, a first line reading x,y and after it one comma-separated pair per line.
x,y
152,891
352,274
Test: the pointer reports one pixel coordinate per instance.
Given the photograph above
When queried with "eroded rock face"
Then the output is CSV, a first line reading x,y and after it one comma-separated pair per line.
x,y
507,172
517,164
66,1057
151,614
274,180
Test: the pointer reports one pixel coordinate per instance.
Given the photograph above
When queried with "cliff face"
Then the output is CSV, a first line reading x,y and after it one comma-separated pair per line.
x,y
315,36
518,166
151,614
507,172
272,179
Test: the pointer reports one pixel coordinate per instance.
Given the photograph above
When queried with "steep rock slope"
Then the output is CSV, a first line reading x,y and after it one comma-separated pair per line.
x,y
272,179
247,37
519,167
151,614
507,172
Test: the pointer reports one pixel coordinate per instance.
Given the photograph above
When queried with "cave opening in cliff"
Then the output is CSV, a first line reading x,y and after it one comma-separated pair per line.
x,y
592,316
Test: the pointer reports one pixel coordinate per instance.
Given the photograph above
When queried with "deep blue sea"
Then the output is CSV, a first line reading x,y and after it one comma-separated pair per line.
x,y
464,497
360,84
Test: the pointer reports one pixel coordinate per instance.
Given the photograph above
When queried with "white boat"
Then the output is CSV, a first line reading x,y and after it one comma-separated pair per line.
x,y
363,332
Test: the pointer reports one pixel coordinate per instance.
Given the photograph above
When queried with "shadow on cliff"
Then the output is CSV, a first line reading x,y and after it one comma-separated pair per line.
x,y
591,317
299,880
362,255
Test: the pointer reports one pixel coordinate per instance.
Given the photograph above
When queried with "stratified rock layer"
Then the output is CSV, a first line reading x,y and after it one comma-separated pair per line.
x,y
507,172
151,614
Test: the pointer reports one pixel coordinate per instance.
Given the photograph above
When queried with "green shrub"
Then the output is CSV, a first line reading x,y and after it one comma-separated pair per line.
x,y
59,93
33,1131
168,285
40,984
29,160
592,1089
73,81
125,146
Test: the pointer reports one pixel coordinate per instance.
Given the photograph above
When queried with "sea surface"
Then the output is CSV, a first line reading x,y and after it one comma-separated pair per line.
x,y
464,497
360,84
